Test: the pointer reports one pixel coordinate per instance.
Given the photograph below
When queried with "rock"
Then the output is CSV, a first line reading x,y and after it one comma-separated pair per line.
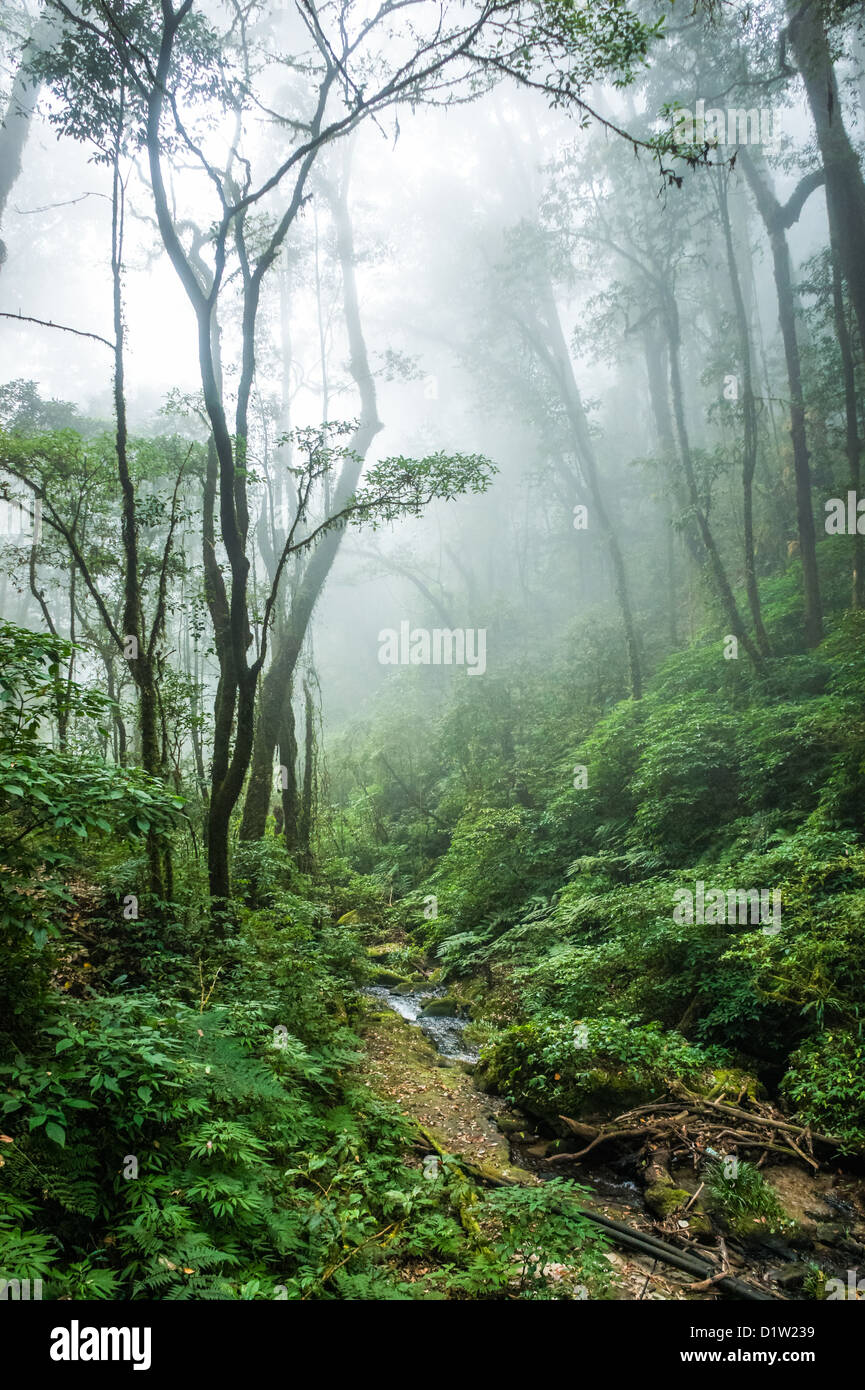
x,y
755,1230
543,1148
511,1125
663,1200
389,978
731,1082
608,1091
441,1008
830,1233
385,952
699,1225
791,1276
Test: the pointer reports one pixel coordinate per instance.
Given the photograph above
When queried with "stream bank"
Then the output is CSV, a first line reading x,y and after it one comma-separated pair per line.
x,y
423,1064
439,1093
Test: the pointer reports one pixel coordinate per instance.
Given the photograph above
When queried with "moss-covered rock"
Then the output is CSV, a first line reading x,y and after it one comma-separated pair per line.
x,y
390,979
448,1007
729,1084
591,1070
511,1125
664,1200
700,1225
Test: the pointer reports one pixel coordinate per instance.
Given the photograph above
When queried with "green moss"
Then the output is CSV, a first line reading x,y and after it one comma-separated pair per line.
x,y
600,1067
699,1224
448,1007
389,978
664,1200
729,1083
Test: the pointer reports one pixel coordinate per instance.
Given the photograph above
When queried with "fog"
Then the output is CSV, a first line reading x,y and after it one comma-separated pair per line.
x,y
432,576
457,212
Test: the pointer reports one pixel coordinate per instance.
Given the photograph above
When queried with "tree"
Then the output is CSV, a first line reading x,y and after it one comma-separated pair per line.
x,y
168,59
275,726
777,220
749,416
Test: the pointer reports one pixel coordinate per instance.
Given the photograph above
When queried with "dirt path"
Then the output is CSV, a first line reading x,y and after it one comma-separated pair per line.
x,y
439,1094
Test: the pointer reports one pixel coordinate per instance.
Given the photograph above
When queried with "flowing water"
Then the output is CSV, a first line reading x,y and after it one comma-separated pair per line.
x,y
611,1186
445,1034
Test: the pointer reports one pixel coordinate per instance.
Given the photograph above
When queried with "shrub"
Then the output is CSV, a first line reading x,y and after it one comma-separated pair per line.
x,y
554,1066
825,1084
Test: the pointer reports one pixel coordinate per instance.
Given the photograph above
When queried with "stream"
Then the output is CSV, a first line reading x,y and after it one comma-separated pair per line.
x,y
445,1033
614,1188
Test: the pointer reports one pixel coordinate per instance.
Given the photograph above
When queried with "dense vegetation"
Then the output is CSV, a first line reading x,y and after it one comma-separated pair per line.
x,y
221,818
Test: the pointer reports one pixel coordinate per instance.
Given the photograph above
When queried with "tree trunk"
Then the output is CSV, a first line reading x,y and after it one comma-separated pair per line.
x,y
716,564
654,350
845,188
549,339
289,639
777,219
851,420
307,809
17,121
749,421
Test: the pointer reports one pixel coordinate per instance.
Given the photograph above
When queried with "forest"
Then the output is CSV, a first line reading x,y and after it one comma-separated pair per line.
x,y
432,652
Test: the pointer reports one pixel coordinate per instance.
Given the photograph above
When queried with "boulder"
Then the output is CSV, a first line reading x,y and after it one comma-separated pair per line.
x,y
448,1007
791,1276
390,979
664,1200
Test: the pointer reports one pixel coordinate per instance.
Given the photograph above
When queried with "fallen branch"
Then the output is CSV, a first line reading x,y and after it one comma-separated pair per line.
x,y
639,1241
666,1122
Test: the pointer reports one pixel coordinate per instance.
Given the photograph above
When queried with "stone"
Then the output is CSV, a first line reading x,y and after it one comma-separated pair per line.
x,y
441,1008
389,978
791,1276
511,1125
664,1200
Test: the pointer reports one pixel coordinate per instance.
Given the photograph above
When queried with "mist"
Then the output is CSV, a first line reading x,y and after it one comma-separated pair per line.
x,y
431,553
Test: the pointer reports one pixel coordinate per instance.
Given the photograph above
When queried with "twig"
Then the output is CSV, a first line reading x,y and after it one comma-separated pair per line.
x,y
688,1205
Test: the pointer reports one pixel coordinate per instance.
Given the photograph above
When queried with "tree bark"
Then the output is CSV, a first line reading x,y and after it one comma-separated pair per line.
x,y
845,187
277,685
777,219
749,421
549,340
716,564
851,417
17,121
307,809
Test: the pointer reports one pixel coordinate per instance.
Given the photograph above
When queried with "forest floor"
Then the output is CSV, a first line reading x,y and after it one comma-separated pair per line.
x,y
441,1096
